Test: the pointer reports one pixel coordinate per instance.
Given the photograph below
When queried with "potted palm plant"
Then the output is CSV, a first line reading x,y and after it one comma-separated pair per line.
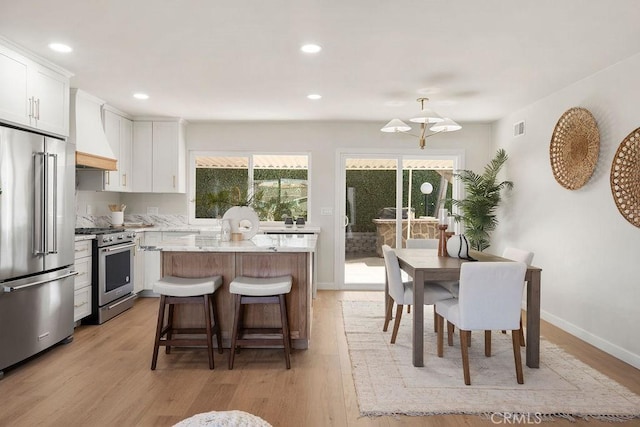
x,y
483,195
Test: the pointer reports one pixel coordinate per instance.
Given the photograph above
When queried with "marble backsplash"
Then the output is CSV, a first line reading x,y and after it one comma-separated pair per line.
x,y
156,220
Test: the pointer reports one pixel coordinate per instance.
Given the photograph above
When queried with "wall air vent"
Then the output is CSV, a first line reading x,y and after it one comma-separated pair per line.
x,y
518,129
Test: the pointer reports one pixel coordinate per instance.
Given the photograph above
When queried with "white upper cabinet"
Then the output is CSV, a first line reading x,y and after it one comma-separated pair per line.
x,y
119,132
159,157
50,98
142,153
14,74
33,94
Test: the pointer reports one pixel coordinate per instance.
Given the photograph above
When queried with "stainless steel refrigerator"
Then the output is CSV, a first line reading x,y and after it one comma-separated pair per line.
x,y
37,221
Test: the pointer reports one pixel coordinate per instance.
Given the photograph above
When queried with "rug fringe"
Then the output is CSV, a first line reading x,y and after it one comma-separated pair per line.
x,y
539,417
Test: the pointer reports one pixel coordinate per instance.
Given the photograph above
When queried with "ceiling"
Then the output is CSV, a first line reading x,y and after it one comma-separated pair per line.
x,y
240,59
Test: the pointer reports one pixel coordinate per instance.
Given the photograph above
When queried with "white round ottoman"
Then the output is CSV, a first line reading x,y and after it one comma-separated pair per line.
x,y
223,419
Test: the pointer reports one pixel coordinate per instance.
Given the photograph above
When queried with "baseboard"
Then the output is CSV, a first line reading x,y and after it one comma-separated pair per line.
x,y
604,345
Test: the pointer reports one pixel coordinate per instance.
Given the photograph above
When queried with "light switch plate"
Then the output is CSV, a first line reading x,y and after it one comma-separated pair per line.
x,y
152,211
326,211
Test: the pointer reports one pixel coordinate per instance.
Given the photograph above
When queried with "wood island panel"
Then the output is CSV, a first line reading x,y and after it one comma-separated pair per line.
x,y
202,264
232,264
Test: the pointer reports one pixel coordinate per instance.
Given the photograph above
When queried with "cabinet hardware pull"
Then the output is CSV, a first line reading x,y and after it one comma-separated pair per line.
x,y
174,181
31,107
124,179
38,109
108,176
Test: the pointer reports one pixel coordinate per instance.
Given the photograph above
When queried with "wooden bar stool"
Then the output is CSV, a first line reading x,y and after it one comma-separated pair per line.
x,y
260,290
180,290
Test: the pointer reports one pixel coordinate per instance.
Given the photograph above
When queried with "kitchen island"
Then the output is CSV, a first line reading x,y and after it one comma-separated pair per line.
x,y
202,255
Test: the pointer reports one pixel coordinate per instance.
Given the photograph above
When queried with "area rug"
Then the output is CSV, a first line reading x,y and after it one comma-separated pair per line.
x,y
387,383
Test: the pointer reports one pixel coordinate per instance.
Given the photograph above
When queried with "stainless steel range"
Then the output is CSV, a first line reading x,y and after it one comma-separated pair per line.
x,y
112,272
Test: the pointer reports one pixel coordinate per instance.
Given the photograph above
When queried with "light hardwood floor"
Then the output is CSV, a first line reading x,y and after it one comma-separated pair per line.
x,y
103,379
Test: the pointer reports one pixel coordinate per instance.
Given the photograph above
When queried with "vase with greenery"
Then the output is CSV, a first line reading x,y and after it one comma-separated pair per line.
x,y
477,211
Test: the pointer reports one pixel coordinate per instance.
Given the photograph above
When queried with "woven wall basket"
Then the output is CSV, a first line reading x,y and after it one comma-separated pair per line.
x,y
574,149
625,178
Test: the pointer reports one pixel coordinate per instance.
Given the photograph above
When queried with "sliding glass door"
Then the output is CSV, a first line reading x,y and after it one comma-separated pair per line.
x,y
387,198
370,209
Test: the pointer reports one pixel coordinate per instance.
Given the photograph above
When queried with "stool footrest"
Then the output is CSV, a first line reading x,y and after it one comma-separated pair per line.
x,y
184,342
184,300
187,330
254,331
275,299
264,342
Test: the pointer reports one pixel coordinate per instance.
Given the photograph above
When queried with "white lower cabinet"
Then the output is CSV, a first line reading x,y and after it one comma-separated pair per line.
x,y
82,282
152,267
138,264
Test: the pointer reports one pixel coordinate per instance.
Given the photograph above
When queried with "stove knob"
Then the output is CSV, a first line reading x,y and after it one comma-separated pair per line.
x,y
105,239
132,234
120,237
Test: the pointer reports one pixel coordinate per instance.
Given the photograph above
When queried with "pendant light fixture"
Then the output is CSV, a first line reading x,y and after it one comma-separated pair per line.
x,y
426,117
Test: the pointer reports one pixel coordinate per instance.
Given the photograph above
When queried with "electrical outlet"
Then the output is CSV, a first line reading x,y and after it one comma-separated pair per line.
x,y
152,211
89,210
326,211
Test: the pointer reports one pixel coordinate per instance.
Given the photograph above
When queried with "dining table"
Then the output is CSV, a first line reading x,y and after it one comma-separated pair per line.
x,y
425,265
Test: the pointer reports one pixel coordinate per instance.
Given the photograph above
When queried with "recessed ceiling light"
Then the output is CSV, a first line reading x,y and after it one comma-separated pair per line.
x,y
59,47
140,96
314,96
311,48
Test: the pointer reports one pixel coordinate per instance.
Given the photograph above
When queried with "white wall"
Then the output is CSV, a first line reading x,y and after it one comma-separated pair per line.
x,y
587,250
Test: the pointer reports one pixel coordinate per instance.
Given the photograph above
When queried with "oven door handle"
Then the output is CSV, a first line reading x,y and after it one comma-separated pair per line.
x,y
129,298
117,248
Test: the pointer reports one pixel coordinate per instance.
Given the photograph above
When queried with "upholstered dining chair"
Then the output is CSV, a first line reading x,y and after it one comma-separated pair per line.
x,y
521,255
401,292
513,254
489,299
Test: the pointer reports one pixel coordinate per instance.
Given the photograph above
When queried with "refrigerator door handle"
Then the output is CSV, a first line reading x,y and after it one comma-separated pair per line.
x,y
39,179
52,211
41,282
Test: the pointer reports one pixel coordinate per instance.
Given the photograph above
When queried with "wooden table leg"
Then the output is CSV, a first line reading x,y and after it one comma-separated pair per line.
x,y
418,319
533,320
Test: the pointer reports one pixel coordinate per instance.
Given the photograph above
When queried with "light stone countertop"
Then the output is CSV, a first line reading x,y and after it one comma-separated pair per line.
x,y
209,228
209,242
81,237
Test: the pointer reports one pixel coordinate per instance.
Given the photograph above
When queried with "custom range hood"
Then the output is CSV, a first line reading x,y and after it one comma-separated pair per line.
x,y
92,148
